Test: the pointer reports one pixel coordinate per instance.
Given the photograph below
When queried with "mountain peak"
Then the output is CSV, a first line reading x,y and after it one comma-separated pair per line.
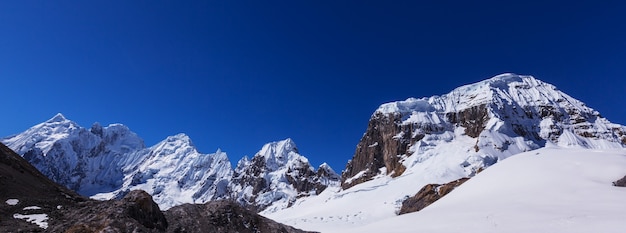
x,y
276,148
179,137
325,166
509,77
57,118
488,121
502,89
506,80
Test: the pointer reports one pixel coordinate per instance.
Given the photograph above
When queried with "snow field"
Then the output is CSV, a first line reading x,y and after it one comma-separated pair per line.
x,y
545,190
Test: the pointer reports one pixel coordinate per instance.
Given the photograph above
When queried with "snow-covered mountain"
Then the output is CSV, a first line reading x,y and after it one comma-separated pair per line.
x,y
108,162
174,172
475,126
277,175
434,140
76,157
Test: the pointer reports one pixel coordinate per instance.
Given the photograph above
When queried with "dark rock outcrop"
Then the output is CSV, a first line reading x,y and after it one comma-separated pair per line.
x,y
472,119
136,212
428,195
620,183
220,216
387,139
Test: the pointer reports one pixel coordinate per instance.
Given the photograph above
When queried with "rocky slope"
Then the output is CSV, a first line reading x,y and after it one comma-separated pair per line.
x,y
33,203
221,216
27,195
108,162
489,121
429,194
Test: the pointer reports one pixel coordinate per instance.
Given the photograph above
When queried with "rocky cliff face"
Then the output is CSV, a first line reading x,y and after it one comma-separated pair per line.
x,y
277,175
486,122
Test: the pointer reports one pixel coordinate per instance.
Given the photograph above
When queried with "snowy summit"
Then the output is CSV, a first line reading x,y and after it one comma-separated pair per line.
x,y
436,140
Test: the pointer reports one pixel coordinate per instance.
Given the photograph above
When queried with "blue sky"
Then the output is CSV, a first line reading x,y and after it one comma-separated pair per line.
x,y
237,74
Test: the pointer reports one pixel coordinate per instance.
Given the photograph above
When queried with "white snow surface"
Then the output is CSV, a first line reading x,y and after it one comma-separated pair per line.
x,y
504,88
12,201
515,102
546,190
42,136
174,172
40,219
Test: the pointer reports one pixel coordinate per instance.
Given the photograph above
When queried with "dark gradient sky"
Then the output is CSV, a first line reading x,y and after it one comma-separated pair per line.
x,y
237,74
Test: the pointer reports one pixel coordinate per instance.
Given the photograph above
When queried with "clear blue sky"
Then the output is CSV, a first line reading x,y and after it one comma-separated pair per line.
x,y
237,74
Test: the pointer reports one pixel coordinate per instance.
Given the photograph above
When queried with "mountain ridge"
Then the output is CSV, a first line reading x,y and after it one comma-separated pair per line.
x,y
31,202
108,162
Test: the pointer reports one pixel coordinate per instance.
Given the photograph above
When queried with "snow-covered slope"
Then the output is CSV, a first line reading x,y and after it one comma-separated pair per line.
x,y
547,190
412,143
277,175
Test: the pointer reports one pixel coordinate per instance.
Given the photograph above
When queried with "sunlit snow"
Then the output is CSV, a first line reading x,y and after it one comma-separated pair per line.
x,y
12,201
546,190
39,219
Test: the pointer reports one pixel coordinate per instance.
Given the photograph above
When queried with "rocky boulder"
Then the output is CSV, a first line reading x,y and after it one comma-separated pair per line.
x,y
428,195
136,212
221,216
620,183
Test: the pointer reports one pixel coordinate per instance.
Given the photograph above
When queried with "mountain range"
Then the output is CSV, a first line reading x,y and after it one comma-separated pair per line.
x,y
108,162
33,203
410,151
